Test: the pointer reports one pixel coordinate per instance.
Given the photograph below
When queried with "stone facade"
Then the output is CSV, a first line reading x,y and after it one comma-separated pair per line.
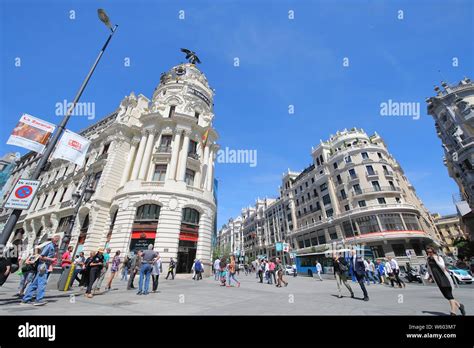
x,y
151,164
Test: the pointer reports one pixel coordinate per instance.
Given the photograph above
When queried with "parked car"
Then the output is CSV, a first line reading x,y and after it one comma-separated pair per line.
x,y
460,275
289,270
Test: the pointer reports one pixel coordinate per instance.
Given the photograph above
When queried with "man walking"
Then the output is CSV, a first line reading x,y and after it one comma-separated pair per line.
x,y
171,267
396,271
370,269
217,262
135,266
359,272
103,271
319,270
340,272
148,259
38,285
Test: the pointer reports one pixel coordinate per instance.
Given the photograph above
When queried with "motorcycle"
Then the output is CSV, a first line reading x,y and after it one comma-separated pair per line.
x,y
412,276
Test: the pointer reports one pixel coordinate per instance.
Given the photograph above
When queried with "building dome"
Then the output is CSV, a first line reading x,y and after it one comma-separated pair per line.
x,y
186,77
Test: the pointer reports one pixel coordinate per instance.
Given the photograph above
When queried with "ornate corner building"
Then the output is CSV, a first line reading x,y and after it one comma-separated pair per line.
x,y
151,166
355,192
453,112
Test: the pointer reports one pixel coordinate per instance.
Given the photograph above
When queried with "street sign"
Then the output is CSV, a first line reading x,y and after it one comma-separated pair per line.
x,y
292,255
286,247
22,194
279,246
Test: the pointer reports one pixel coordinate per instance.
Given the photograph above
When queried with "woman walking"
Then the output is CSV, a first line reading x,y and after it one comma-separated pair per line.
x,y
125,266
113,269
232,272
340,272
155,273
279,268
438,272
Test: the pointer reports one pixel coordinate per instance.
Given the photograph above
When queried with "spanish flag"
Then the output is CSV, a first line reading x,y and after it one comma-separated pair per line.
x,y
204,137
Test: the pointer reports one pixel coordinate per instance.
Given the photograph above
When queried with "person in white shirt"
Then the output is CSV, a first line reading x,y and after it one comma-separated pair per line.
x,y
294,270
319,270
396,271
217,268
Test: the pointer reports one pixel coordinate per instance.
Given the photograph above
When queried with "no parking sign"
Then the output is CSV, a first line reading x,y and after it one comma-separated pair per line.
x,y
22,194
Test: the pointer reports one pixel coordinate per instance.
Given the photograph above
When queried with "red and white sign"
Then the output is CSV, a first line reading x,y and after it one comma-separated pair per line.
x,y
22,194
31,133
72,147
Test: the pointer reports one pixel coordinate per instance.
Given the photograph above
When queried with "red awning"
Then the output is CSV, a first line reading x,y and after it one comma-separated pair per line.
x,y
143,235
193,237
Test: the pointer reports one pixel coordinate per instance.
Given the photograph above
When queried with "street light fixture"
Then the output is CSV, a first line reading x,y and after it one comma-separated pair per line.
x,y
15,215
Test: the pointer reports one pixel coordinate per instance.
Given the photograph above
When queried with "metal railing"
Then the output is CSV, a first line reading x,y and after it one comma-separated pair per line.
x,y
164,149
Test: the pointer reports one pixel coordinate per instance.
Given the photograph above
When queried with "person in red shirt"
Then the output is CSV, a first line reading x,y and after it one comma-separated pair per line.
x,y
66,259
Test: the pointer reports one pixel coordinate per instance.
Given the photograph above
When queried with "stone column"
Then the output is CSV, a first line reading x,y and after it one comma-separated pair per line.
x,y
128,164
197,177
183,157
210,176
147,156
139,157
205,167
174,156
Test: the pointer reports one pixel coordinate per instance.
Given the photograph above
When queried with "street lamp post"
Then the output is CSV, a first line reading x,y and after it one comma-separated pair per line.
x,y
14,216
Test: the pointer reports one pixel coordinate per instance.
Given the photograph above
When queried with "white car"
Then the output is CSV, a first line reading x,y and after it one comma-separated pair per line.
x,y
289,270
460,275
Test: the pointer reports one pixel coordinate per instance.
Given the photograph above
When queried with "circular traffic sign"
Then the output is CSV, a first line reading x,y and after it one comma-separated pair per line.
x,y
23,192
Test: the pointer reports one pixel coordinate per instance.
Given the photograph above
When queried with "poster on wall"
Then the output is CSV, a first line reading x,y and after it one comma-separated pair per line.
x,y
31,133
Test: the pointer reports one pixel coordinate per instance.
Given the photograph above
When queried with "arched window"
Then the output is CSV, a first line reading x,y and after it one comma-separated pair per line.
x,y
190,216
148,212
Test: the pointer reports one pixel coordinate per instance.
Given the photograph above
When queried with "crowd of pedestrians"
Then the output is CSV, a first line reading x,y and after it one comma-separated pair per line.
x,y
90,272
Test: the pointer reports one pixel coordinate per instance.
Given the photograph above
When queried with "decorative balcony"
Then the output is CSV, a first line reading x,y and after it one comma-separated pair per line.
x,y
352,178
372,174
163,149
388,174
377,190
193,155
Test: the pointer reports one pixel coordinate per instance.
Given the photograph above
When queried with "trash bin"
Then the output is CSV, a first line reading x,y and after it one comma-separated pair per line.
x,y
65,280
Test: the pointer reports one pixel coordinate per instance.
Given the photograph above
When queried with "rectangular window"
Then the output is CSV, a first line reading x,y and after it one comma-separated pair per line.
x,y
385,170
106,148
376,186
326,200
321,237
368,224
365,155
172,110
302,199
95,181
362,204
347,207
357,189
312,180
189,177
391,222
306,184
318,206
392,186
348,228
381,200
378,251
192,149
352,173
160,172
417,248
348,159
309,196
166,140
54,196
323,187
343,194
332,233
335,165
370,170
62,195
339,179
315,193
399,250
196,114
411,221
329,213
380,155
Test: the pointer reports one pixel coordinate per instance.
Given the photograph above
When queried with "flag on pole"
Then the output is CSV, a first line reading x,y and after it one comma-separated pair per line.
x,y
204,137
72,147
31,133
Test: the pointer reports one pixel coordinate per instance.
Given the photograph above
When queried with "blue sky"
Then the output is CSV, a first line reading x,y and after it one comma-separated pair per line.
x,y
282,62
